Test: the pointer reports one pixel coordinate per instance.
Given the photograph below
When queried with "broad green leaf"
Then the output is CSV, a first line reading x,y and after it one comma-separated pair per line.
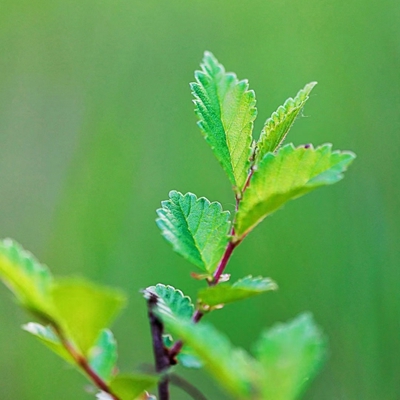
x,y
171,301
103,355
284,176
231,367
48,337
196,228
29,280
131,386
84,309
278,125
226,110
242,289
290,355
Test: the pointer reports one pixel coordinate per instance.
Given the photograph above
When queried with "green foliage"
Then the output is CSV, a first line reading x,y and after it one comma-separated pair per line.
x,y
290,355
130,386
278,125
196,228
287,175
171,302
242,289
29,280
103,355
47,336
84,309
231,367
226,109
77,312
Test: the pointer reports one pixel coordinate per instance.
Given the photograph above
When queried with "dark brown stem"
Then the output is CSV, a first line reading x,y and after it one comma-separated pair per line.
x,y
161,353
83,363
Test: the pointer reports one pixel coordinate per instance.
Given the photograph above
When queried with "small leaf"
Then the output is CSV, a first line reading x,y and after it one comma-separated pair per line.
x,y
103,355
29,280
290,355
242,289
226,109
188,360
196,228
233,368
48,337
84,309
278,125
171,302
287,175
131,386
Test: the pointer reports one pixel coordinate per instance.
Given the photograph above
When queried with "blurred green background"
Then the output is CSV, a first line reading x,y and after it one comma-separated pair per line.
x,y
97,125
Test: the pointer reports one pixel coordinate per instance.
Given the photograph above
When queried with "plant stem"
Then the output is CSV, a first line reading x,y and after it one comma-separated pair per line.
x,y
161,353
191,390
83,363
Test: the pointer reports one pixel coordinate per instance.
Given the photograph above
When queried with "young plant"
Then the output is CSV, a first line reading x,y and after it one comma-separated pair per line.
x,y
74,315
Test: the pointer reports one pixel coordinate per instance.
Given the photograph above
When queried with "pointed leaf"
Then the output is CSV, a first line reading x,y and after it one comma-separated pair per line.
x,y
103,355
289,174
290,354
131,386
278,125
84,309
48,337
29,280
196,228
226,109
171,301
242,289
232,367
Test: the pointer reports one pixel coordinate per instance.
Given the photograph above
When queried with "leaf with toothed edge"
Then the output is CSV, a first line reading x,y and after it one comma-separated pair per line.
x,y
226,110
286,175
103,355
171,301
196,228
29,280
227,293
278,125
290,355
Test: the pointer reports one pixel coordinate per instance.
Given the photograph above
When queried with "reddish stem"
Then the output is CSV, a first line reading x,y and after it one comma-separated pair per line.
x,y
83,363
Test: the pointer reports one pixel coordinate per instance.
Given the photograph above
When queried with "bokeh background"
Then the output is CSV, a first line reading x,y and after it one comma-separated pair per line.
x,y
97,125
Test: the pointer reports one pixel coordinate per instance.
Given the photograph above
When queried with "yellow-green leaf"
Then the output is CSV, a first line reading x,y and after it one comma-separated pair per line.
x,y
278,125
284,176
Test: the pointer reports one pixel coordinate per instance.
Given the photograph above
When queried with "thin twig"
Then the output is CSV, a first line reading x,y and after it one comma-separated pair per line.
x,y
186,386
83,363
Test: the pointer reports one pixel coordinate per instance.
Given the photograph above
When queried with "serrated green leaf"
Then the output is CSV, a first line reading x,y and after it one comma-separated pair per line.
x,y
171,302
196,228
284,176
278,125
226,293
29,280
84,309
103,355
131,386
290,355
47,336
226,109
232,367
